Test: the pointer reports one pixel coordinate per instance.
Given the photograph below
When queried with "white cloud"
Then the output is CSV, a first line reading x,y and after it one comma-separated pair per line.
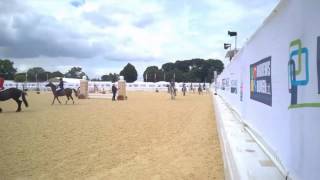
x,y
113,32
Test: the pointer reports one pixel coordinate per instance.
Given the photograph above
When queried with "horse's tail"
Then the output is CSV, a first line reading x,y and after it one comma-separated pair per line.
x,y
23,94
75,92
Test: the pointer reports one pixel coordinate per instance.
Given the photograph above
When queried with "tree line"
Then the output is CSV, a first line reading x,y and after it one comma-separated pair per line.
x,y
39,74
194,70
35,74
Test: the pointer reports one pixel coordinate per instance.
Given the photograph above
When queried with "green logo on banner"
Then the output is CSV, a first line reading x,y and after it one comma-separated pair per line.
x,y
298,72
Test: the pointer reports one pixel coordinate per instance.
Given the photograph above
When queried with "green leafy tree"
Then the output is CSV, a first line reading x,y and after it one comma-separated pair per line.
x,y
216,65
36,74
20,77
194,70
55,74
183,66
179,76
7,71
153,74
110,77
75,72
168,67
44,76
130,73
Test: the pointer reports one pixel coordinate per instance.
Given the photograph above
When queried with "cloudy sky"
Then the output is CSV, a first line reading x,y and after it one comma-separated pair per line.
x,y
101,36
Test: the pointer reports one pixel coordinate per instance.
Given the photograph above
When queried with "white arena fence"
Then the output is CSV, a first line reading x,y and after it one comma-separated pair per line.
x,y
100,86
274,85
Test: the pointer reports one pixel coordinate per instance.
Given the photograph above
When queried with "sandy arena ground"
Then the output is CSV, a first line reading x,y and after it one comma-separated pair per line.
x,y
147,137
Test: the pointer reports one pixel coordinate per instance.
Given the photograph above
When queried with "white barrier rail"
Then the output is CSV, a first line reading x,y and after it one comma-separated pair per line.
x,y
103,85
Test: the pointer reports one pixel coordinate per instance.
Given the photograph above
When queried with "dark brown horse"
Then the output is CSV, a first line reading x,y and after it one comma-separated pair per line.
x,y
15,94
66,92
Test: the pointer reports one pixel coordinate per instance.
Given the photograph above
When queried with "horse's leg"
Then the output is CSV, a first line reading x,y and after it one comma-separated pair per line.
x,y
54,98
71,98
58,100
19,104
67,99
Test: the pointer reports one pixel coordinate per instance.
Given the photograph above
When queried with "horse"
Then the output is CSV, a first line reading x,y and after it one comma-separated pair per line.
x,y
66,92
15,94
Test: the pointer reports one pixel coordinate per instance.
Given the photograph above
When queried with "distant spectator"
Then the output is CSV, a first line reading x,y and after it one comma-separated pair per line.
x,y
199,89
114,92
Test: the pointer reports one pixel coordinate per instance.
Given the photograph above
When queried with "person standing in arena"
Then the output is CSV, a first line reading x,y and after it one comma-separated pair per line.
x,y
199,89
114,92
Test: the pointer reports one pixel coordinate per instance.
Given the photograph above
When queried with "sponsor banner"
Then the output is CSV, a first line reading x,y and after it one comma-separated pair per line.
x,y
260,81
318,63
234,86
274,85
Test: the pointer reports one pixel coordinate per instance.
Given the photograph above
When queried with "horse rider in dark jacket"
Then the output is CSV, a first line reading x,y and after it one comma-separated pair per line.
x,y
60,87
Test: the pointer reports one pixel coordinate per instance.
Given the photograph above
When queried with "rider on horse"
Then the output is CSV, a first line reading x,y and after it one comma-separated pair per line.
x,y
172,83
60,87
172,87
184,89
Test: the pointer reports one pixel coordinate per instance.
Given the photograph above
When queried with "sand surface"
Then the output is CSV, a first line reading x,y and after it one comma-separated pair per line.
x,y
148,136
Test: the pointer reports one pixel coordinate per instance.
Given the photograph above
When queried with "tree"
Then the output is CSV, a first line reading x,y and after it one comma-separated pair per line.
x,y
75,72
55,74
130,73
183,66
7,71
216,64
36,74
20,77
168,67
44,76
111,77
194,70
152,74
179,76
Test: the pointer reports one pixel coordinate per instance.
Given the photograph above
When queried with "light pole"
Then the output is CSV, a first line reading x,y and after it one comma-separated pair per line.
x,y
233,33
